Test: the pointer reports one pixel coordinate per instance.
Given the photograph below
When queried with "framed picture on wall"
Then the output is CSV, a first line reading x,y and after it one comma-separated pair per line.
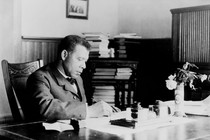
x,y
77,9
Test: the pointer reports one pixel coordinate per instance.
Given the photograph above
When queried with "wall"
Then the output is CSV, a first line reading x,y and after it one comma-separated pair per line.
x,y
9,44
37,18
48,18
150,18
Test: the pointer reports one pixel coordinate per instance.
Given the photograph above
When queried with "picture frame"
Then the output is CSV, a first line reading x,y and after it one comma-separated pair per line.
x,y
77,9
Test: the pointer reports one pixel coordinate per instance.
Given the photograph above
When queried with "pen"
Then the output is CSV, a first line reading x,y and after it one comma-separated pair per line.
x,y
114,109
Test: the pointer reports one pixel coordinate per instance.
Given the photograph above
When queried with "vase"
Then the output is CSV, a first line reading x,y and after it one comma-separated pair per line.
x,y
179,101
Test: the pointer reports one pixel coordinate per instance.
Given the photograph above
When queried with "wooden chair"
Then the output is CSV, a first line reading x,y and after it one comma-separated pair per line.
x,y
15,77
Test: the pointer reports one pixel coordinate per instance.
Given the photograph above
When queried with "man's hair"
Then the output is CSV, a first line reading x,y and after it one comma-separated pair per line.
x,y
69,42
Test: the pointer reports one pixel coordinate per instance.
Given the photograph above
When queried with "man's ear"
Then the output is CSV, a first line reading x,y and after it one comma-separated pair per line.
x,y
64,54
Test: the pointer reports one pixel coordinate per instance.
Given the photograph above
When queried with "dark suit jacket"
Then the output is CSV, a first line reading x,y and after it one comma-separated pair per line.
x,y
52,97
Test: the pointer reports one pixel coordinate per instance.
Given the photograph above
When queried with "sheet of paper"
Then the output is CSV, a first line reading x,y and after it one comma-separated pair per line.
x,y
191,107
62,125
57,126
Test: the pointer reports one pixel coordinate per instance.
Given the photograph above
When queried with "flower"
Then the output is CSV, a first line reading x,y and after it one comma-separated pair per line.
x,y
184,75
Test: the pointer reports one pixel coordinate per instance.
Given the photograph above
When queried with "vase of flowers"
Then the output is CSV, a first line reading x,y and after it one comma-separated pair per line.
x,y
177,81
179,100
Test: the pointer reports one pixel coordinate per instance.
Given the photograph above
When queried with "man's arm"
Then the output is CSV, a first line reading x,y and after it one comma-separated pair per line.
x,y
52,100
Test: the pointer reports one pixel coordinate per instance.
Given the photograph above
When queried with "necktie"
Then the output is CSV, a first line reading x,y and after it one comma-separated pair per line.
x,y
71,80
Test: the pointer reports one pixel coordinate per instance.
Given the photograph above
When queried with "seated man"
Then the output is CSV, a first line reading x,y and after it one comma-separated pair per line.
x,y
56,90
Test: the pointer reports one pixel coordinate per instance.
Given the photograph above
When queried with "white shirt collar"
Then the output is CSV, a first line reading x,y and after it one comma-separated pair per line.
x,y
64,75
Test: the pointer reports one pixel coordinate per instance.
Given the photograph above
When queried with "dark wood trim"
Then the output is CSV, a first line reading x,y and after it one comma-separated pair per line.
x,y
40,38
6,119
190,9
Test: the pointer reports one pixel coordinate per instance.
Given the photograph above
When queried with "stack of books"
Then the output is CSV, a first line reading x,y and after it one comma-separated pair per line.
x,y
122,41
121,50
105,93
99,44
128,36
123,73
104,73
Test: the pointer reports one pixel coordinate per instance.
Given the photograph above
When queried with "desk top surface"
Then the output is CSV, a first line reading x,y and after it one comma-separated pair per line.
x,y
199,129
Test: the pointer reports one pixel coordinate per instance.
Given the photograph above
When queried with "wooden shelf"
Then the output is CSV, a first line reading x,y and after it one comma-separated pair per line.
x,y
119,84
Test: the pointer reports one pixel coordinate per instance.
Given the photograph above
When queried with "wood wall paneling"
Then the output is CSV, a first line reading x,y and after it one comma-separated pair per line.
x,y
190,34
39,48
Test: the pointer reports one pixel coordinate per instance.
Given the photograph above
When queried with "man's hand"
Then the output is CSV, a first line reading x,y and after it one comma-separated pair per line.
x,y
101,109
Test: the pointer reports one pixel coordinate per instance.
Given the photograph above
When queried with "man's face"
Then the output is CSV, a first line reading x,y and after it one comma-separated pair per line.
x,y
75,61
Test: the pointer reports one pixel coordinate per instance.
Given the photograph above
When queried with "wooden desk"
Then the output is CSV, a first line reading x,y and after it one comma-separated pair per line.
x,y
119,84
199,129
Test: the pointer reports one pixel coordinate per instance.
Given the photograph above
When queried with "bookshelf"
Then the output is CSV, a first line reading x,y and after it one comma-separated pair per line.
x,y
113,80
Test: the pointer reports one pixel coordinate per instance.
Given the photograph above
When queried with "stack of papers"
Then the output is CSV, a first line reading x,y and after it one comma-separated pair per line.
x,y
191,107
128,35
103,124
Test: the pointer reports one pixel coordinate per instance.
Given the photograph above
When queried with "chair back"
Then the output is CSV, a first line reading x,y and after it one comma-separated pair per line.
x,y
15,77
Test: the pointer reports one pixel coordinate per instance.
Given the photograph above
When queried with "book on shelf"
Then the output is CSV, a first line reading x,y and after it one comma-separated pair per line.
x,y
121,51
96,35
104,56
104,99
122,47
93,34
104,92
123,73
128,35
104,87
122,76
94,54
105,69
92,39
124,70
107,92
103,77
104,73
94,49
104,51
122,55
104,95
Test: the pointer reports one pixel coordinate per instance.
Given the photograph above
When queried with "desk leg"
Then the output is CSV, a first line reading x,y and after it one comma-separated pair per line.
x,y
117,96
122,89
129,98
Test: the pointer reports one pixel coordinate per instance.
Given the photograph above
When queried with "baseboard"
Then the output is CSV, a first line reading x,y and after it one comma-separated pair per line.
x,y
6,119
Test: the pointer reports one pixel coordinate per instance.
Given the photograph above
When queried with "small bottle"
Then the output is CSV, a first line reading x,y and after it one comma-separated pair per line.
x,y
128,114
134,110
